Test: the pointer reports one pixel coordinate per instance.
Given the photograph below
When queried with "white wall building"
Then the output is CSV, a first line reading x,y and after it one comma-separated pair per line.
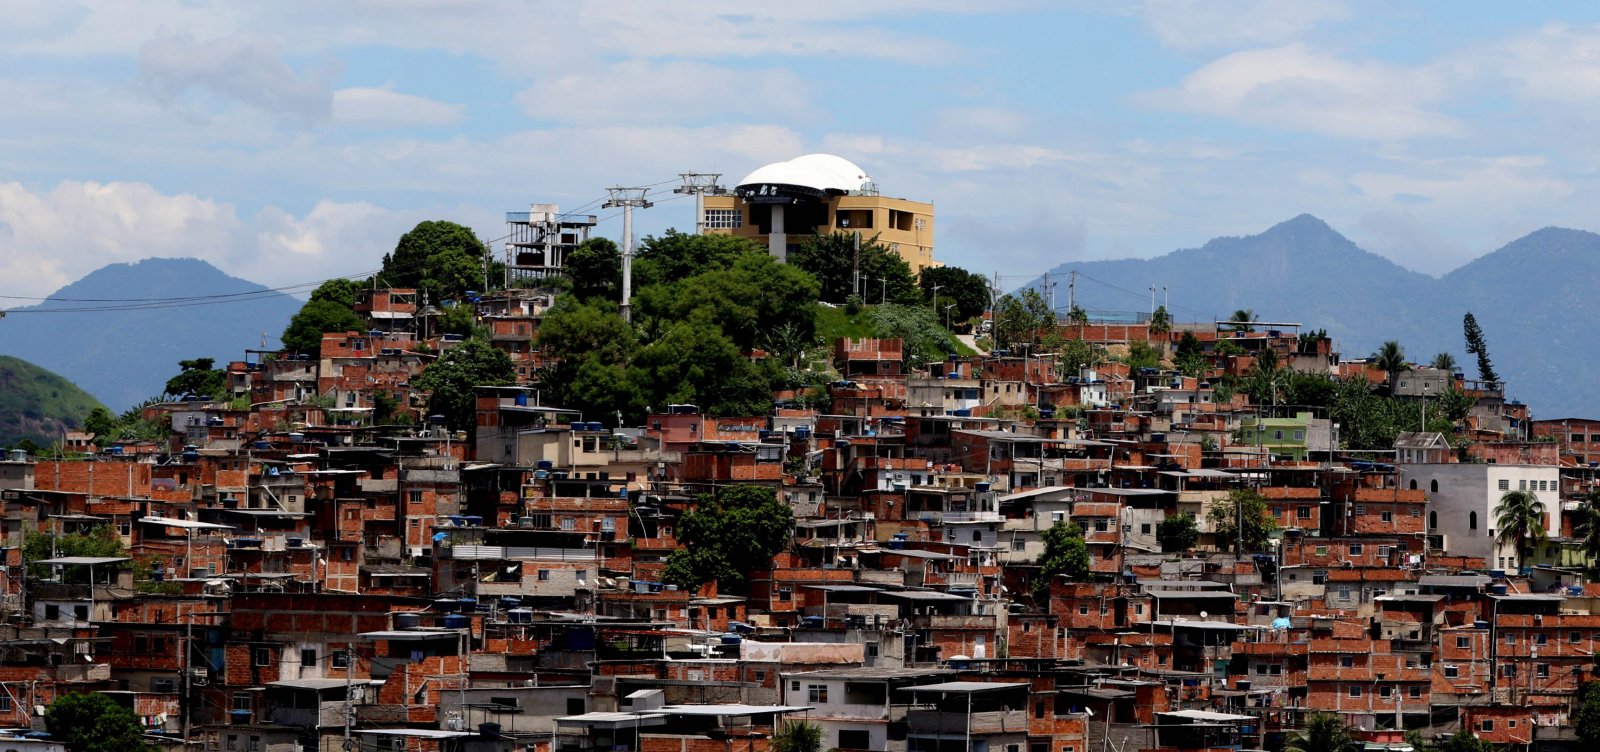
x,y
1463,499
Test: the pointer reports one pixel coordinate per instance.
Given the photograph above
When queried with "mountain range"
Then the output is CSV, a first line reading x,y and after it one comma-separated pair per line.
x,y
120,331
1530,297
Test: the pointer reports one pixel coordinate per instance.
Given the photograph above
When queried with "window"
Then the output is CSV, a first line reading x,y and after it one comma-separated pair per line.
x,y
575,706
1344,593
1415,692
1303,513
263,657
1574,637
1463,643
1385,691
544,575
1361,509
1083,609
816,693
1522,484
1387,516
1542,671
1144,529
726,219
1472,519
1505,485
1486,724
1356,549
1508,670
415,497
5,703
1018,544
855,739
1541,639
1355,691
1277,435
1511,638
308,657
1451,672
241,701
1433,485
339,659
794,686
1347,661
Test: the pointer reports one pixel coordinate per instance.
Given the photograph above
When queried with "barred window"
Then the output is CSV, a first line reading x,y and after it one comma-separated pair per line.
x,y
724,219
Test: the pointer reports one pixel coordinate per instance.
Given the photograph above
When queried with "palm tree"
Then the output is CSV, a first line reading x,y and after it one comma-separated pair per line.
x,y
1077,316
1323,732
1445,362
1520,518
1161,321
1587,528
1242,320
1391,359
797,736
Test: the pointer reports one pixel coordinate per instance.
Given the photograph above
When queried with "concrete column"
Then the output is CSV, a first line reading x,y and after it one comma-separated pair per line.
x,y
777,242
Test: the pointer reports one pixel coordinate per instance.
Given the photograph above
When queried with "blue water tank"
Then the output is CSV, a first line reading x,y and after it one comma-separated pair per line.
x,y
456,621
544,465
407,620
521,400
983,485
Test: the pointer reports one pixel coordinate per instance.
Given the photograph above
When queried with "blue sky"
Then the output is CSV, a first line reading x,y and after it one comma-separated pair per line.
x,y
291,141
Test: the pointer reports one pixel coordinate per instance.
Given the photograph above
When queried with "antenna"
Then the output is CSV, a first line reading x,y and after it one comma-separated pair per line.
x,y
627,198
699,184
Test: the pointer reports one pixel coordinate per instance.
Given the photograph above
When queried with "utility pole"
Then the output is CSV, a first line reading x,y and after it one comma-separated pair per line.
x,y
1072,290
349,702
1152,300
627,198
855,285
699,184
1044,287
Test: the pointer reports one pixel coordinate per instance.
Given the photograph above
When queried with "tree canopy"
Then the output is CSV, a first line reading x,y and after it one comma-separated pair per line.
x,y
1323,732
316,318
1519,518
1477,346
1178,532
595,270
885,277
94,722
451,379
674,255
1022,319
925,339
440,259
1065,553
967,291
729,535
1245,503
198,377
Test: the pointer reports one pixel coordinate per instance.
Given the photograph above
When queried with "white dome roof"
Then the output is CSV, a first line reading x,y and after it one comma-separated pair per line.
x,y
823,172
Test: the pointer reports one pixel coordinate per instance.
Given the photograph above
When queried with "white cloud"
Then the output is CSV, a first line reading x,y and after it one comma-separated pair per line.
x,y
1190,25
385,108
57,236
642,91
242,68
1557,63
1299,88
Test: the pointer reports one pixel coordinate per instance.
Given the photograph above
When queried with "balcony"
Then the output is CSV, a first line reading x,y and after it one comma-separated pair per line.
x,y
949,517
991,722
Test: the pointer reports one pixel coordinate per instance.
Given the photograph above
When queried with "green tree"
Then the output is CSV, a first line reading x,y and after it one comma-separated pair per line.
x,y
198,377
1444,361
831,259
729,535
1587,528
925,340
1243,320
1142,355
676,256
695,363
1519,520
99,541
1323,732
1076,316
1189,358
753,296
967,291
1258,521
1077,354
1160,321
1476,346
1023,319
1065,553
595,270
1307,342
102,424
94,723
1586,721
451,379
1178,532
1464,740
1391,359
439,259
797,736
345,292
314,319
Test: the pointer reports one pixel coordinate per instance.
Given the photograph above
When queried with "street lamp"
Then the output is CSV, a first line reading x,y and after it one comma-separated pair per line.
x,y
947,315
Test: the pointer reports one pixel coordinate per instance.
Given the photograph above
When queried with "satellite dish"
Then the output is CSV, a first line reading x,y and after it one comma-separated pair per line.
x,y
1204,614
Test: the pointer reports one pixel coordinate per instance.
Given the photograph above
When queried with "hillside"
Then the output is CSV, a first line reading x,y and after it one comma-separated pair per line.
x,y
1527,296
37,404
125,356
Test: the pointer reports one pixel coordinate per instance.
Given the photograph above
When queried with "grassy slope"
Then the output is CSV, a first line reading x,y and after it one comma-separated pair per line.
x,y
38,404
833,323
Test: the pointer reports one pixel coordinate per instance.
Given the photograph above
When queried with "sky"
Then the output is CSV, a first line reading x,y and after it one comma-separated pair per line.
x,y
289,141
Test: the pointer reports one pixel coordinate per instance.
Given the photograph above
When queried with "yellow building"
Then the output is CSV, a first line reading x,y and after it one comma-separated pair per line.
x,y
783,203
